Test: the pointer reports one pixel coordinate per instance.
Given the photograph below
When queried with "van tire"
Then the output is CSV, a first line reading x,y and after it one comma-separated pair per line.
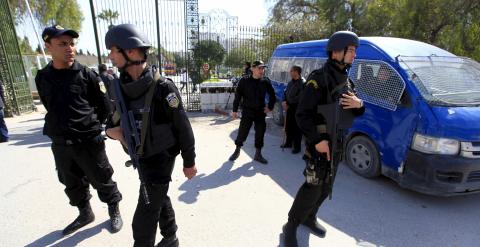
x,y
277,114
362,157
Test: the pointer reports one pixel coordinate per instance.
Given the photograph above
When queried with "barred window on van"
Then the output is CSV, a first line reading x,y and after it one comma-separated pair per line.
x,y
279,70
377,83
308,65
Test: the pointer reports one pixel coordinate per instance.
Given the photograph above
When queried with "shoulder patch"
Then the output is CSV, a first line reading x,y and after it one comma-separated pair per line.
x,y
313,83
173,100
103,89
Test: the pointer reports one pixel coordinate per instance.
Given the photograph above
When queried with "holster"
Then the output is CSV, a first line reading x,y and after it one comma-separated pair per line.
x,y
317,168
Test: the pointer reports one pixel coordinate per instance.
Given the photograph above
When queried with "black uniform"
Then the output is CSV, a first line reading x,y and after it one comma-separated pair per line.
x,y
292,97
3,126
107,81
77,105
320,84
252,92
169,132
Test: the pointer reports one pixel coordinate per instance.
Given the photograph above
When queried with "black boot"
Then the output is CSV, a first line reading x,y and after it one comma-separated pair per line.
x,y
290,234
116,221
296,150
235,154
286,145
258,157
85,217
169,242
317,229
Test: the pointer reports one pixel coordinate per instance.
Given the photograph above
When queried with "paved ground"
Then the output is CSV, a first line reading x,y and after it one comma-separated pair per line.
x,y
228,204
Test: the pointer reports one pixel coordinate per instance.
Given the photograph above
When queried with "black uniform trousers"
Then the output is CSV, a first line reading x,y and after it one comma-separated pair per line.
x,y
3,127
308,200
83,163
250,117
157,171
294,135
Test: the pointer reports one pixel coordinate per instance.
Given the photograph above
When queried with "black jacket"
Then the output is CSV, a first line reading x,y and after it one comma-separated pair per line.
x,y
251,92
169,129
293,91
320,84
2,95
75,99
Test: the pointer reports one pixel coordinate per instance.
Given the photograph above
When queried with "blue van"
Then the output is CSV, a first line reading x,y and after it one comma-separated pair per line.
x,y
421,126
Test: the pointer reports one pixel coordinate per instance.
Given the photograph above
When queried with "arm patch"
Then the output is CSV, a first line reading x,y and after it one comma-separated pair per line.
x,y
313,83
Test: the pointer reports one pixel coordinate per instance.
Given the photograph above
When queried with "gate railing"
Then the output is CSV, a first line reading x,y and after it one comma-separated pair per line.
x,y
12,70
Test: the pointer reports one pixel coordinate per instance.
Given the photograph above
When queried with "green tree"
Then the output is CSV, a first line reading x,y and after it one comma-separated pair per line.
x,y
452,25
180,60
109,16
48,12
25,47
207,51
238,56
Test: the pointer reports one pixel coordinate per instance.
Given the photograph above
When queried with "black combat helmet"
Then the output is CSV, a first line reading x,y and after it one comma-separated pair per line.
x,y
341,40
126,36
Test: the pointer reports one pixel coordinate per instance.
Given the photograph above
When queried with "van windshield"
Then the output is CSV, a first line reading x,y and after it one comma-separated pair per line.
x,y
449,81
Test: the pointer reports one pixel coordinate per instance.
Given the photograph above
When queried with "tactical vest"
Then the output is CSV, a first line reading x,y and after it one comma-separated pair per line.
x,y
157,137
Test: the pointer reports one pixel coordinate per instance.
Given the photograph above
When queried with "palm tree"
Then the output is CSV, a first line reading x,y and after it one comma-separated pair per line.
x,y
109,16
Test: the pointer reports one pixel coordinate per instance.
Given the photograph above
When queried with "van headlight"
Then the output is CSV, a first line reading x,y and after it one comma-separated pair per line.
x,y
433,145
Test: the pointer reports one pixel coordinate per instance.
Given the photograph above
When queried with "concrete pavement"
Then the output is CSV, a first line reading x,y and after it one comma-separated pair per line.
x,y
227,204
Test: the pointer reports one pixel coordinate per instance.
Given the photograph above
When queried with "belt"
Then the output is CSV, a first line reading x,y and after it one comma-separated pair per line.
x,y
67,141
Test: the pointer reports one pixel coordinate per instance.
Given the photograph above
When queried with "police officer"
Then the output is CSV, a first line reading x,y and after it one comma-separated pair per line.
x,y
77,104
247,69
3,126
321,84
168,132
107,81
106,77
292,96
251,91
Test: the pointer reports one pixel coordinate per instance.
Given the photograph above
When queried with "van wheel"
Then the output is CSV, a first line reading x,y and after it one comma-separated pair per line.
x,y
278,114
362,157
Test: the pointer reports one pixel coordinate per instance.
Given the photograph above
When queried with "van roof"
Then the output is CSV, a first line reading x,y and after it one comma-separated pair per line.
x,y
391,47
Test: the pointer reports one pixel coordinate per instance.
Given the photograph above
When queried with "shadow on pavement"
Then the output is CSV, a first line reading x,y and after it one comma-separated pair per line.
x,y
221,120
33,120
34,138
72,240
375,212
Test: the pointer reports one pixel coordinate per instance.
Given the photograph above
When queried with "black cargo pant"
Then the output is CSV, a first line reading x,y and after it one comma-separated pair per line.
x,y
157,171
248,118
309,198
294,135
83,163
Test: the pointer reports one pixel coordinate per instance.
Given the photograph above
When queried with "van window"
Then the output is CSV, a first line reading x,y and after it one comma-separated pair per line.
x,y
378,83
308,65
451,81
280,68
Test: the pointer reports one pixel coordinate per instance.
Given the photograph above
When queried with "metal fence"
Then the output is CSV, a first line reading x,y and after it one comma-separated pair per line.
x,y
12,70
184,40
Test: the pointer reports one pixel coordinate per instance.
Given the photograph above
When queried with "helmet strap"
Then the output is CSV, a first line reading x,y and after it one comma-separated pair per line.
x,y
342,63
129,61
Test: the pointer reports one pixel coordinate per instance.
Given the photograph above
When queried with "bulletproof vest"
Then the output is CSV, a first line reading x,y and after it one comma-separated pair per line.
x,y
345,117
159,137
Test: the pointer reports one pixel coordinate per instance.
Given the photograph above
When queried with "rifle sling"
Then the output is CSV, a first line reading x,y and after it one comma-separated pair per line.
x,y
146,112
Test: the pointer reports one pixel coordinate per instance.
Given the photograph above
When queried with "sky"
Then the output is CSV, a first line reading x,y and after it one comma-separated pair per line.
x,y
249,13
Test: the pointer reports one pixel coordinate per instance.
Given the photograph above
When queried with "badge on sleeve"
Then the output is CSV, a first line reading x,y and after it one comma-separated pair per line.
x,y
172,100
102,87
313,83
